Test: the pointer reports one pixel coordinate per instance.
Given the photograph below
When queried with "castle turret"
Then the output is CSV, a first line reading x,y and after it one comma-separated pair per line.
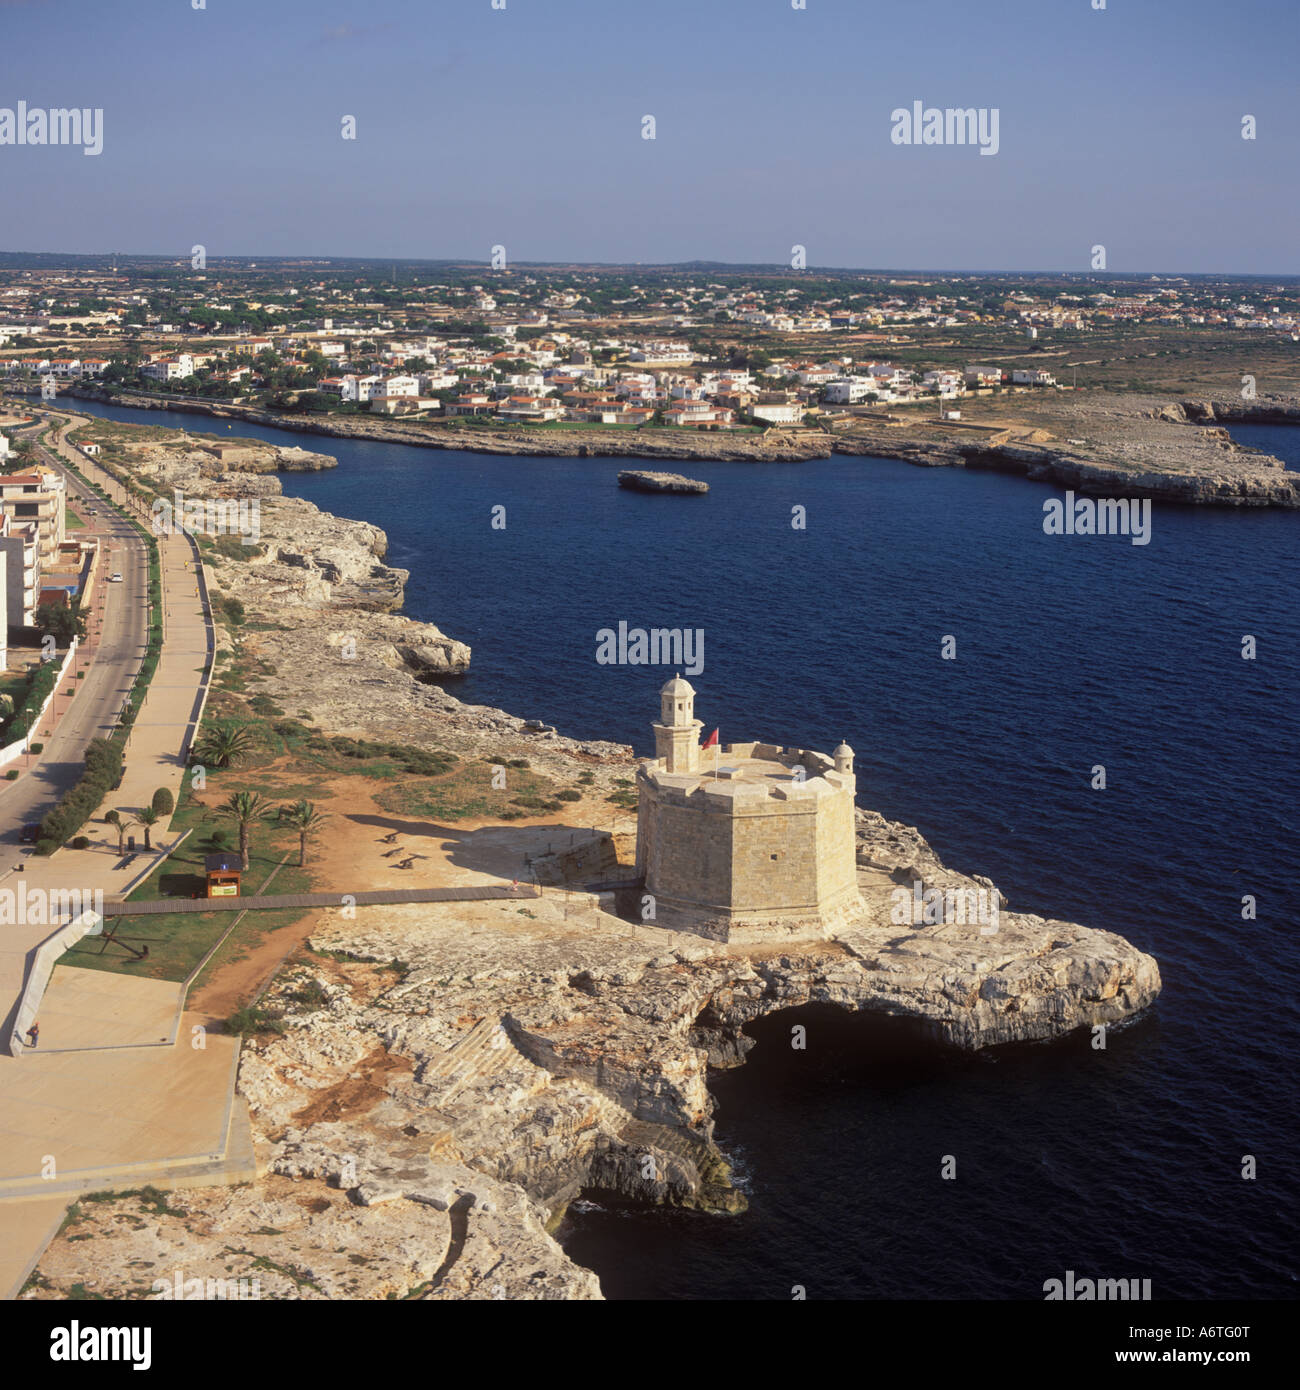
x,y
677,734
843,756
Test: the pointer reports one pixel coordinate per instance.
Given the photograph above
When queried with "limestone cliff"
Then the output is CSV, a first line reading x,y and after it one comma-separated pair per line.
x,y
449,1107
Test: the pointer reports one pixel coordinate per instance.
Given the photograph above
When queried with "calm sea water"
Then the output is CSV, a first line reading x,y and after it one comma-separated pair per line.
x,y
1071,652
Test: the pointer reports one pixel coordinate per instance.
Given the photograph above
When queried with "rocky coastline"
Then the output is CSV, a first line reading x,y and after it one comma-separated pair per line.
x,y
451,1077
423,1129
1134,446
777,446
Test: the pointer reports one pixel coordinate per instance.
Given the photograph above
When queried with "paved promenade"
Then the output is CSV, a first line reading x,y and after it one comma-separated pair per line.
x,y
469,893
155,757
119,1113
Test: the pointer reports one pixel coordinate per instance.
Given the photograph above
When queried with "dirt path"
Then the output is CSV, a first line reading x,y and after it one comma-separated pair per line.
x,y
351,853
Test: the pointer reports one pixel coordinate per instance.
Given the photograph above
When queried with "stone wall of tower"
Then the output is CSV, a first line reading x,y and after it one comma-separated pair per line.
x,y
837,858
756,864
774,858
689,854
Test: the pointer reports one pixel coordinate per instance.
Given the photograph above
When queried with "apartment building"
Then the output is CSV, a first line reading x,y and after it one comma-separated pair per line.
x,y
20,571
5,524
39,498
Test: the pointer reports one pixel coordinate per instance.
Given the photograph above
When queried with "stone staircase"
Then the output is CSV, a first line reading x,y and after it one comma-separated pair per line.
x,y
486,1049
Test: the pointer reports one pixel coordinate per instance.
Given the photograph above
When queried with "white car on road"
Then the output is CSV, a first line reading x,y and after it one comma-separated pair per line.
x,y
114,578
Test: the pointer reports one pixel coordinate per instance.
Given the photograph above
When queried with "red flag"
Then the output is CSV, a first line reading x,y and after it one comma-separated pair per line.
x,y
712,740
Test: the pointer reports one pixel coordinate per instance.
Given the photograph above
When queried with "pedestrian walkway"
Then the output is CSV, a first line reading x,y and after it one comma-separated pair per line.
x,y
96,1008
468,893
120,1114
156,753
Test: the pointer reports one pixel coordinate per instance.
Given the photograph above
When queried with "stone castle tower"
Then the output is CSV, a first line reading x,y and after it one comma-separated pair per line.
x,y
750,842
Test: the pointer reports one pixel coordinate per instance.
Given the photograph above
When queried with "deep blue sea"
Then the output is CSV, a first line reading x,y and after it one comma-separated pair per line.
x,y
1071,651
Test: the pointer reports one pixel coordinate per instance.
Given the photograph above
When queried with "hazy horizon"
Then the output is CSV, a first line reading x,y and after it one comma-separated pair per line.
x,y
702,265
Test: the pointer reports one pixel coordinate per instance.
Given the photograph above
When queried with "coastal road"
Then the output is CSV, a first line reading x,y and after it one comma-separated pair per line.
x,y
112,657
111,1106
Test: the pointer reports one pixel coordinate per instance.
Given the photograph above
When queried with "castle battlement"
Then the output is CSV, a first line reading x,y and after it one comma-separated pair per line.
x,y
747,840
750,772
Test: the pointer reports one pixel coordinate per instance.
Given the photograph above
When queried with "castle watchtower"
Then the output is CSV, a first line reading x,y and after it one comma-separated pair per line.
x,y
759,847
677,734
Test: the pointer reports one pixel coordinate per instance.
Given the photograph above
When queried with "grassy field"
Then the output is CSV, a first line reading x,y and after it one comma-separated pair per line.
x,y
177,941
291,761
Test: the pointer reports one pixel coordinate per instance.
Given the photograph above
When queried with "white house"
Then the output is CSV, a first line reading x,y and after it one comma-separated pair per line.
x,y
787,413
359,388
947,384
400,386
526,383
667,352
852,390
530,408
169,368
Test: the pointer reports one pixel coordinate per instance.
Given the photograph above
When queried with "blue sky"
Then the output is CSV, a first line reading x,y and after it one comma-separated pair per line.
x,y
523,127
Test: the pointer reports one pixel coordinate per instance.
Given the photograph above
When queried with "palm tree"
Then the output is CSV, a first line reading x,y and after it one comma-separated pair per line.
x,y
121,824
244,808
147,817
306,820
224,744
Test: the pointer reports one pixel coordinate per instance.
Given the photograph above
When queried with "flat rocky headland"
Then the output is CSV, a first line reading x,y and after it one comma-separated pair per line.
x,y
451,1076
423,1126
1101,444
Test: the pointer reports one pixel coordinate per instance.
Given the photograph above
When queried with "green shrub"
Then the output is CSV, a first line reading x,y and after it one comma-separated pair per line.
x,y
163,802
568,794
41,684
247,1019
11,775
425,763
310,994
46,847
81,842
36,748
103,766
